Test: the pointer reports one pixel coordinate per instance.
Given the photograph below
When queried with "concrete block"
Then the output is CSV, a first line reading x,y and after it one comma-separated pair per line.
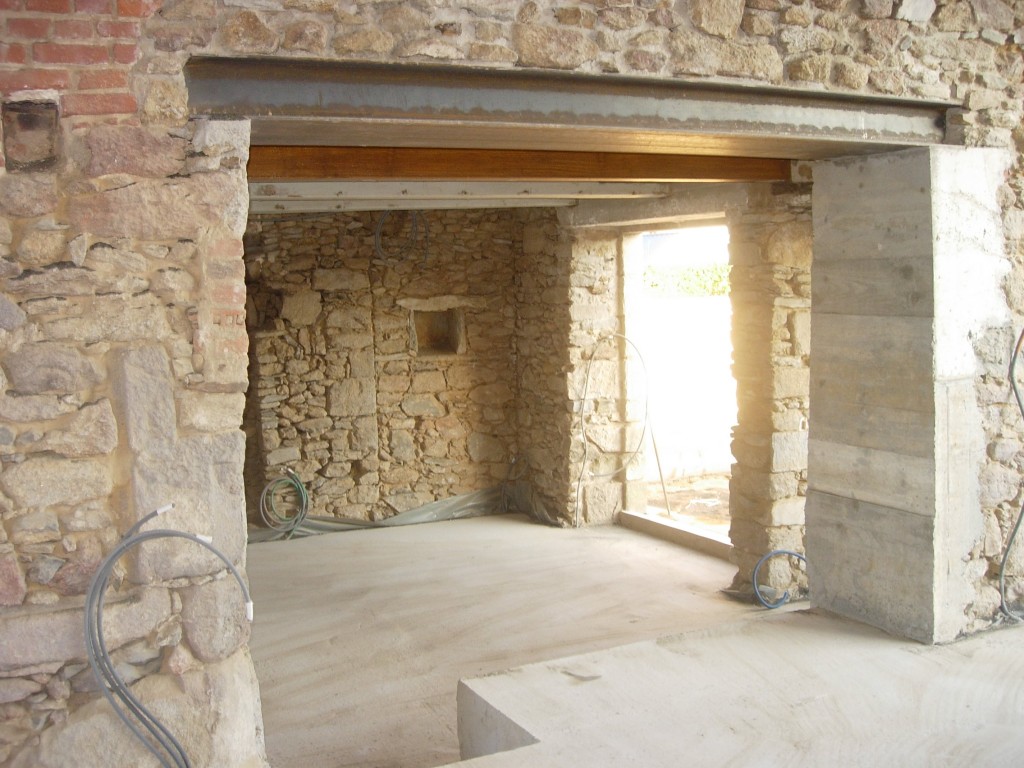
x,y
901,288
872,563
883,478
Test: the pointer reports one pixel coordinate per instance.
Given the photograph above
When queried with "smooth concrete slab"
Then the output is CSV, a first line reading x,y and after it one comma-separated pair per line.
x,y
360,638
795,689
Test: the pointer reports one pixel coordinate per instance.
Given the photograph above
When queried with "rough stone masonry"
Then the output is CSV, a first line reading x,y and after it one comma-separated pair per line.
x,y
123,343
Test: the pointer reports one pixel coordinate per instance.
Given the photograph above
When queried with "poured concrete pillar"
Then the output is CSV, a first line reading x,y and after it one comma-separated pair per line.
x,y
908,260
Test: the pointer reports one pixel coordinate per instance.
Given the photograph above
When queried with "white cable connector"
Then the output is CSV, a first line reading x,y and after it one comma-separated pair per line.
x,y
204,538
248,610
165,508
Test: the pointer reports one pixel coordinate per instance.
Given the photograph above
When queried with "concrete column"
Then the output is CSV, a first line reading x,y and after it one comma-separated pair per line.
x,y
908,260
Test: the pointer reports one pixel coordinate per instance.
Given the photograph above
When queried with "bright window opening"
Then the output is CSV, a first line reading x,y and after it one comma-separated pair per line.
x,y
678,313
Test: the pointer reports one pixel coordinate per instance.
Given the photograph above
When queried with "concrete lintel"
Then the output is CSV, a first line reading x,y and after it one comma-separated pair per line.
x,y
365,104
691,204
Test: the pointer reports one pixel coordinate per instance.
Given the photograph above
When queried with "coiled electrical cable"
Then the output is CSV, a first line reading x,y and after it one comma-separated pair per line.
x,y
757,569
410,243
1003,605
583,426
161,742
284,524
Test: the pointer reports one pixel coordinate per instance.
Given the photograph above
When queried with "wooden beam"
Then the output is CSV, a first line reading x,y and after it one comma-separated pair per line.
x,y
284,163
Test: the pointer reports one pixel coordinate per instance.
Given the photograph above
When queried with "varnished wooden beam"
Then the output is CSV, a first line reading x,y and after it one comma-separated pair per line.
x,y
284,163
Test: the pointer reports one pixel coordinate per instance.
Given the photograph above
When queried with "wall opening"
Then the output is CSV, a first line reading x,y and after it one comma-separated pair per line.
x,y
679,315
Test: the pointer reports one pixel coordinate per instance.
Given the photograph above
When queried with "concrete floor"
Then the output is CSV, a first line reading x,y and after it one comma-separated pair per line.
x,y
594,647
361,638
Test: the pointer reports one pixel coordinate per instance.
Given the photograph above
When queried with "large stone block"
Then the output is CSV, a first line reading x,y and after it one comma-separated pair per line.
x,y
32,639
49,369
145,398
133,150
552,47
12,578
202,476
156,210
112,319
92,431
44,481
27,194
211,411
717,17
213,619
213,711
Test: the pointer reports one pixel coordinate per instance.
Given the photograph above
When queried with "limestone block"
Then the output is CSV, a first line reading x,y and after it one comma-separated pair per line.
x,y
44,481
246,32
876,9
76,573
12,579
994,14
340,279
428,381
286,455
552,47
791,381
491,394
351,397
42,247
213,711
32,407
202,476
142,383
111,319
12,316
27,194
601,502
813,69
133,150
92,431
364,40
422,405
301,308
213,619
485,448
64,280
56,635
916,11
717,17
168,209
306,36
222,137
17,689
403,448
49,369
211,411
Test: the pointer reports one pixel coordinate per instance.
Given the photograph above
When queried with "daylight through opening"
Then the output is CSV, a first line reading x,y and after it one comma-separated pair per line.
x,y
678,312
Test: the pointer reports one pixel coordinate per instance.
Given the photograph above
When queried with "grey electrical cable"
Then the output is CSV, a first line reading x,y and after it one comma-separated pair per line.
x,y
167,749
583,426
414,226
1003,605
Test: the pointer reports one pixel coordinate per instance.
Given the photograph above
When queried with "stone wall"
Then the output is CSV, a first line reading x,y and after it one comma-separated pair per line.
x,y
770,288
123,368
123,235
349,391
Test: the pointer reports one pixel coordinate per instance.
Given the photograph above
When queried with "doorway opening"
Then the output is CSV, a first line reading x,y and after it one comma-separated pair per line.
x,y
678,312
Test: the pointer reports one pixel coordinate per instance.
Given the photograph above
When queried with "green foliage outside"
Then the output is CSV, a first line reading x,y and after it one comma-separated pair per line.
x,y
706,280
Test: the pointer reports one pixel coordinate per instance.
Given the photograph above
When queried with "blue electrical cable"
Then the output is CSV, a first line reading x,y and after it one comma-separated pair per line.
x,y
757,569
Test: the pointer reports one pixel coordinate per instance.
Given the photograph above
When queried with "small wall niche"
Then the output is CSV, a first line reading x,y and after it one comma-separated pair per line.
x,y
30,131
438,332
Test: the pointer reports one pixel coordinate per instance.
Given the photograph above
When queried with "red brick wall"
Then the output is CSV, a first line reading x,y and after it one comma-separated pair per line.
x,y
83,49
